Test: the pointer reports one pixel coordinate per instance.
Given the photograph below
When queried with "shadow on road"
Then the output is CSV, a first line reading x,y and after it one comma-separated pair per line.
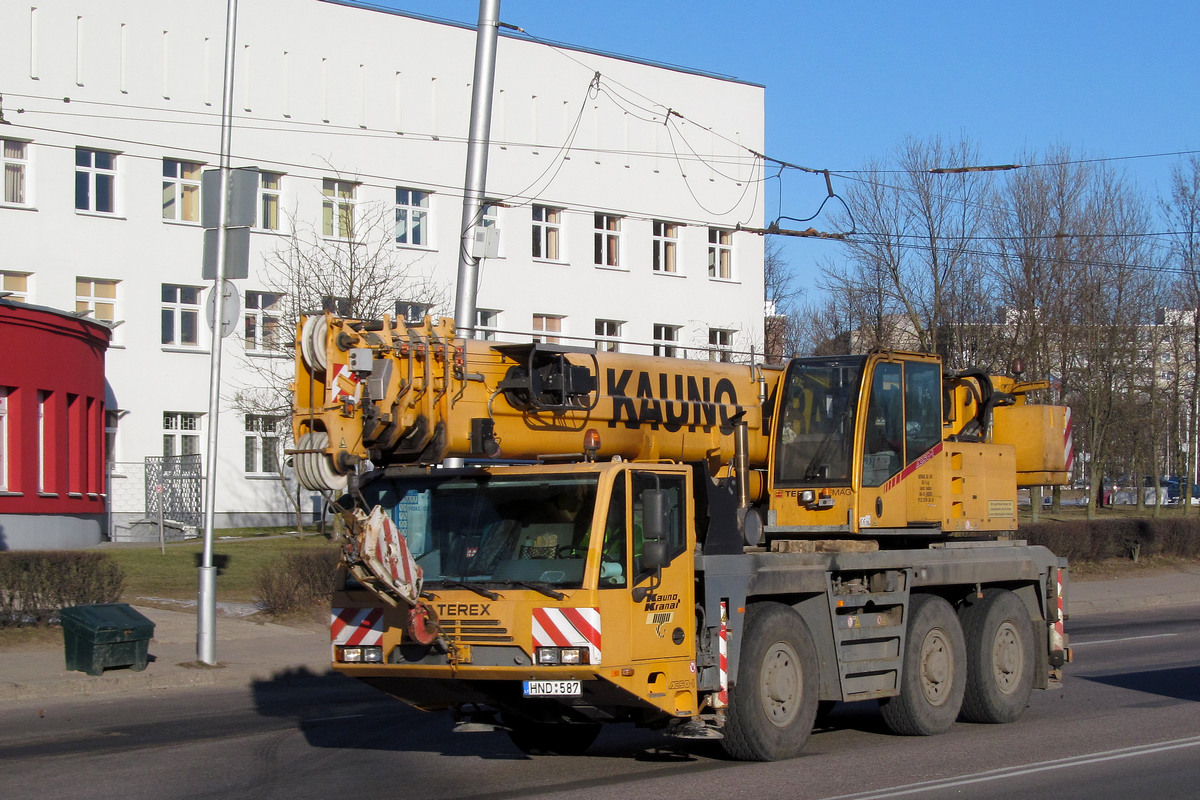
x,y
1179,683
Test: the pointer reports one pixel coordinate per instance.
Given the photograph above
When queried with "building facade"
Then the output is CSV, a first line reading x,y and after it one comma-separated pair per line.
x,y
616,190
52,428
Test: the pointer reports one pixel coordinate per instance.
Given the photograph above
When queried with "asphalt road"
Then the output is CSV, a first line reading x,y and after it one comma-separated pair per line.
x,y
1124,725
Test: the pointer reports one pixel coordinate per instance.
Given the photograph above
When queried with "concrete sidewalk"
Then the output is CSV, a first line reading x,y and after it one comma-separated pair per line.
x,y
249,651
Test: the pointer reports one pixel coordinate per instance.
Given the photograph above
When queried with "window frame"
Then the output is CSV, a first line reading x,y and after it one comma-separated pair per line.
x,y
547,230
179,434
720,254
16,166
257,319
667,346
664,240
720,345
181,190
89,302
272,195
256,439
6,392
487,320
339,199
180,310
94,177
607,240
415,208
544,319
608,335
14,294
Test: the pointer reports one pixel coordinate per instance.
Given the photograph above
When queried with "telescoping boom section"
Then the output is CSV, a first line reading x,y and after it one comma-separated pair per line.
x,y
545,539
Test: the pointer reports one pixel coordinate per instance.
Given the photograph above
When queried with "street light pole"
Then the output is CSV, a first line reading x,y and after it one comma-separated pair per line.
x,y
206,595
478,140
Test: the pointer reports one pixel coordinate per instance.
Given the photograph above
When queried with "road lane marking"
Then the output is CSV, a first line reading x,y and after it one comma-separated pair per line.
x,y
1124,639
1029,769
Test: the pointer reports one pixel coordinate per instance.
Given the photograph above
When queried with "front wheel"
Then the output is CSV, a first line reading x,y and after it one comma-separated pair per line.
x,y
774,702
1000,657
934,670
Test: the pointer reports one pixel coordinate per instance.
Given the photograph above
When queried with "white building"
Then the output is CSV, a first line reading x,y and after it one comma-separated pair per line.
x,y
619,188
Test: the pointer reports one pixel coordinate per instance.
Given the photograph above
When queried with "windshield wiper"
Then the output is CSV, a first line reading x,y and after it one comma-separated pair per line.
x,y
544,588
490,595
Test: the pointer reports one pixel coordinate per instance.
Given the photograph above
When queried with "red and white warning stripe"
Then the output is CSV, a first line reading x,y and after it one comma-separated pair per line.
x,y
568,627
1068,443
1057,638
723,649
356,626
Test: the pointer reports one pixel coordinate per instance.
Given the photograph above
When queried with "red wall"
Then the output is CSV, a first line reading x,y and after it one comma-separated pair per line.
x,y
45,350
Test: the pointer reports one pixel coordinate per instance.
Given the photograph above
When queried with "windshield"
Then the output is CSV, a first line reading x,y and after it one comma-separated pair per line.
x,y
478,528
816,422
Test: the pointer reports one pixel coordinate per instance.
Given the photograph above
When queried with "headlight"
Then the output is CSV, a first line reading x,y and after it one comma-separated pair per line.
x,y
571,655
547,655
358,655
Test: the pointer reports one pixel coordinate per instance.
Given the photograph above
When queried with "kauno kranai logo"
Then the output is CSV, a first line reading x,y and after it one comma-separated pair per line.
x,y
670,401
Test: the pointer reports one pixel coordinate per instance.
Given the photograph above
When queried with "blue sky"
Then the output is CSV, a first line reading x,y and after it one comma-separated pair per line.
x,y
848,81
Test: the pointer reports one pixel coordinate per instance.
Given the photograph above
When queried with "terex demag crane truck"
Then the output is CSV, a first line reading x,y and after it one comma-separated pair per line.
x,y
544,538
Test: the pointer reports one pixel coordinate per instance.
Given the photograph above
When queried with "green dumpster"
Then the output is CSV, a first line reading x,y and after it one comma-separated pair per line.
x,y
105,635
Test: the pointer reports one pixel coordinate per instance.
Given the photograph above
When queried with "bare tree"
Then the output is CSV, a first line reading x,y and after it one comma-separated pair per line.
x,y
351,266
1182,210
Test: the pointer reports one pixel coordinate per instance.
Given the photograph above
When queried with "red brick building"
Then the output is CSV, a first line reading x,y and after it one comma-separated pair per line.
x,y
52,426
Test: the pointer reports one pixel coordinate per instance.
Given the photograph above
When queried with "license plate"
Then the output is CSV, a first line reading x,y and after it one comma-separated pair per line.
x,y
553,688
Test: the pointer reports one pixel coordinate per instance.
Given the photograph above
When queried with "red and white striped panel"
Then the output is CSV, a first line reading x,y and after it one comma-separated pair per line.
x,y
355,626
568,627
722,699
1068,444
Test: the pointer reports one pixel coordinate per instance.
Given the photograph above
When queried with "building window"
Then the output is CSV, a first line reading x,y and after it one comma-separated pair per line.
x,y
5,391
16,171
546,323
547,232
268,200
44,450
665,339
608,240
262,321
412,312
181,190
720,345
486,322
337,209
180,315
95,181
412,217
666,243
262,444
181,433
338,306
15,286
720,253
608,334
111,420
97,296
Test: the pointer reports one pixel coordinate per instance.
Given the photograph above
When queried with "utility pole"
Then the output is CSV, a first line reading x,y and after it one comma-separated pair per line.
x,y
477,157
206,596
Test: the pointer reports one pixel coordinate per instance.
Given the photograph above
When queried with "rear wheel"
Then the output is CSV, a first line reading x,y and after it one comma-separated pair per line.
x,y
774,702
1000,657
934,676
553,738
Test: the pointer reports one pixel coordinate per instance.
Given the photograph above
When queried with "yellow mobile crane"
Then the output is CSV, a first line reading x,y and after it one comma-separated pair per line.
x,y
711,549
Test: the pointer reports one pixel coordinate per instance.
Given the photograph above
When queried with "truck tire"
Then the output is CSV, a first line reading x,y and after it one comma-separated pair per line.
x,y
934,670
552,738
1000,657
774,702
